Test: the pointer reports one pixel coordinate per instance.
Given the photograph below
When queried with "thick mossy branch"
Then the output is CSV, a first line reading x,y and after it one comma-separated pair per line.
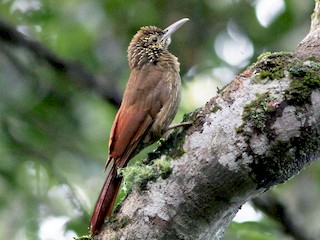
x,y
283,158
304,75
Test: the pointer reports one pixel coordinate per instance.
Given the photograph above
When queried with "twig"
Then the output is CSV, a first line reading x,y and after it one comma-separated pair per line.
x,y
274,208
73,70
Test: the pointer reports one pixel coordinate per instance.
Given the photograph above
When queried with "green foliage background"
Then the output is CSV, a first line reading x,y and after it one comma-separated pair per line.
x,y
54,131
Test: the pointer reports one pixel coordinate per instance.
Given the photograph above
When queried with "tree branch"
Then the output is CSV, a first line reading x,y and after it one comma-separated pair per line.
x,y
274,208
311,42
74,71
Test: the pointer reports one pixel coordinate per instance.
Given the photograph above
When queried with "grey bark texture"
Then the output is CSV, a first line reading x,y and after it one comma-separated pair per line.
x,y
259,131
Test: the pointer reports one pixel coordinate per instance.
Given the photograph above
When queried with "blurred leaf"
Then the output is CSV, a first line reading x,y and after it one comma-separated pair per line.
x,y
251,231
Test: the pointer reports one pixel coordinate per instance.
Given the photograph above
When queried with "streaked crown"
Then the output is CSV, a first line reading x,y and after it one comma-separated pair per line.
x,y
150,43
147,46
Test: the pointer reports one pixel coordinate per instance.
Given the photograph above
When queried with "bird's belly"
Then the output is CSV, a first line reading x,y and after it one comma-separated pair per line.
x,y
167,113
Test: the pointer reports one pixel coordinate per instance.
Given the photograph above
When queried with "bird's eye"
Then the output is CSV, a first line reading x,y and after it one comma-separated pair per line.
x,y
154,39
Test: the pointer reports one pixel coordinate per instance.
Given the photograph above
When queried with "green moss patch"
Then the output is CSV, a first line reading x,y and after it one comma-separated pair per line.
x,y
272,66
305,78
216,108
304,75
258,113
118,222
140,174
285,158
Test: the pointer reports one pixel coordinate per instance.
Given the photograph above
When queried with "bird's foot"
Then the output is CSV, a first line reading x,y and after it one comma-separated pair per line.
x,y
182,124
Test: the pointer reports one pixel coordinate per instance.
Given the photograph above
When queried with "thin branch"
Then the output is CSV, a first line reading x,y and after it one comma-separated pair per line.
x,y
310,45
73,70
315,21
274,208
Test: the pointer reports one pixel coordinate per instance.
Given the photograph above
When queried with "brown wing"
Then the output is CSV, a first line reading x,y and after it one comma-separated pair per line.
x,y
145,94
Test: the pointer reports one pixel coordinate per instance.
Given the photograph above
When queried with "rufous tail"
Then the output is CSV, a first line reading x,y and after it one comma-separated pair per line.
x,y
106,200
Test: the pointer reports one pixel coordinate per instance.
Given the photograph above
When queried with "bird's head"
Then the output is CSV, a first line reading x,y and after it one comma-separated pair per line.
x,y
150,42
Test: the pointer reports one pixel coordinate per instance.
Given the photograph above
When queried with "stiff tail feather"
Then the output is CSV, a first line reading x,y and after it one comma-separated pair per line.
x,y
105,201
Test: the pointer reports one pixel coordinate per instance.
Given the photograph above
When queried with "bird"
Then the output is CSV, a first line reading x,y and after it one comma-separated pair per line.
x,y
150,103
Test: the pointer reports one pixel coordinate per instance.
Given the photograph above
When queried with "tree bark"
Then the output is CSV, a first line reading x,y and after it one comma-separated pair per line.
x,y
259,131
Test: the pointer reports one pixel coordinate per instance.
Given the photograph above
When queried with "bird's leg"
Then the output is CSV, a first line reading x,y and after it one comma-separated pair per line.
x,y
182,124
195,119
174,126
